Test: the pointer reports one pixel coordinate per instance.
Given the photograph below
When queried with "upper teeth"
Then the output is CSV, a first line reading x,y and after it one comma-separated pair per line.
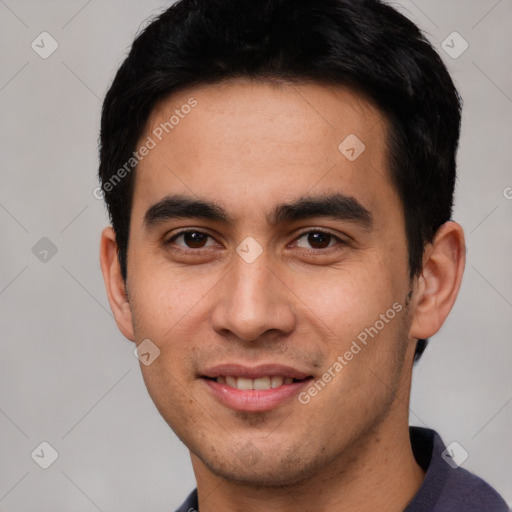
x,y
260,383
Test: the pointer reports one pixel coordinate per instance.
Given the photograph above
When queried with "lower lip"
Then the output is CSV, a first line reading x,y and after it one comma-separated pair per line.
x,y
254,400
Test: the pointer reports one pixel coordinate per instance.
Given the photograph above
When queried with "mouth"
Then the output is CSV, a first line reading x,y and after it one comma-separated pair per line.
x,y
256,389
259,384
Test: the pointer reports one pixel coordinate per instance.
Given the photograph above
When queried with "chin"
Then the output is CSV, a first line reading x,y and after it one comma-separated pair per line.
x,y
266,471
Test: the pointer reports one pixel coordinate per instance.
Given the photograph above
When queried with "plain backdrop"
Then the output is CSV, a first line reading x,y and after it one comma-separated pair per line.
x,y
69,378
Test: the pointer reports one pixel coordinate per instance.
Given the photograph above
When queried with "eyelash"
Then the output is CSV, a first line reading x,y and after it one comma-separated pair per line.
x,y
339,241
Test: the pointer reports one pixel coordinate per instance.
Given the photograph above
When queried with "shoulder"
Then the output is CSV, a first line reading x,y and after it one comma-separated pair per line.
x,y
447,486
190,504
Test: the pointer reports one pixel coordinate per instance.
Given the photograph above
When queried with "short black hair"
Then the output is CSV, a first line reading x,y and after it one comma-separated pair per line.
x,y
365,45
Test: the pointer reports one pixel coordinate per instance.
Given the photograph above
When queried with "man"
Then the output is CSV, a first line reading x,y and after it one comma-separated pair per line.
x,y
279,176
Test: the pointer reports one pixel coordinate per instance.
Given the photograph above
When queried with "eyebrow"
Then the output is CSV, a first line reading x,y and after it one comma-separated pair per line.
x,y
336,206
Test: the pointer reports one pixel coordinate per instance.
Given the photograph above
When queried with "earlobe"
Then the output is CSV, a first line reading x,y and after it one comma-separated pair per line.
x,y
437,288
114,283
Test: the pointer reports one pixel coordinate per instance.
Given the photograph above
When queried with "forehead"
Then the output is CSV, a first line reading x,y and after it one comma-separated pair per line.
x,y
264,142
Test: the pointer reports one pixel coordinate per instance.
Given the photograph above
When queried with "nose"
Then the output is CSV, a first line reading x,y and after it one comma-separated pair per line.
x,y
252,301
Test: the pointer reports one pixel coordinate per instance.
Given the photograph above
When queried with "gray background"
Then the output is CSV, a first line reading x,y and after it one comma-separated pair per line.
x,y
68,376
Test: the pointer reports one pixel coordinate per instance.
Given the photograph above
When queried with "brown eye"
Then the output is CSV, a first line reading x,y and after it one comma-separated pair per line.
x,y
317,240
190,239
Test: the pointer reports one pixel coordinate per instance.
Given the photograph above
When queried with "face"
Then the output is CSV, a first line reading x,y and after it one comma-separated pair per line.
x,y
281,266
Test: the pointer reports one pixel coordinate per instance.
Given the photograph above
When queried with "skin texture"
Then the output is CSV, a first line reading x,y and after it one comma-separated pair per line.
x,y
249,146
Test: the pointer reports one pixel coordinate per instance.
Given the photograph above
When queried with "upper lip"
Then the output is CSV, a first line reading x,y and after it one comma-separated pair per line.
x,y
253,372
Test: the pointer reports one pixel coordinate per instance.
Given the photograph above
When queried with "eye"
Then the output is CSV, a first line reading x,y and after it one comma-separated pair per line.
x,y
315,240
318,239
191,239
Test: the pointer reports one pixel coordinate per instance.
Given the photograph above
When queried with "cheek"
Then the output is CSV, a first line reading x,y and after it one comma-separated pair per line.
x,y
174,400
162,297
346,300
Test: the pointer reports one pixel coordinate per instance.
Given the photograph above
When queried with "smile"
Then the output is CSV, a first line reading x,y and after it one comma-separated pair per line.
x,y
261,383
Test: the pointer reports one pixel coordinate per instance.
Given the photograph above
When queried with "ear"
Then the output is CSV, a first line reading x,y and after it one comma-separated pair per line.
x,y
437,287
114,283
